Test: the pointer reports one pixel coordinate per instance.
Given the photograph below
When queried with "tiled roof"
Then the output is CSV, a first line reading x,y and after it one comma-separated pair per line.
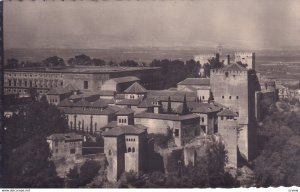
x,y
125,130
125,111
109,101
65,136
206,108
134,102
125,79
111,124
99,103
234,67
176,96
65,103
71,87
106,93
135,88
115,108
172,117
82,103
58,91
90,111
120,96
227,113
147,102
195,81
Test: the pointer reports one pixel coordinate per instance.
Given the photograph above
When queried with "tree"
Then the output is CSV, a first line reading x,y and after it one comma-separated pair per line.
x,y
29,166
54,62
169,110
88,171
34,119
211,97
129,63
185,109
98,62
80,60
277,164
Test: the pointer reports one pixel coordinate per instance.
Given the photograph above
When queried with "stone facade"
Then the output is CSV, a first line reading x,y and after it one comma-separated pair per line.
x,y
88,79
232,86
245,58
65,145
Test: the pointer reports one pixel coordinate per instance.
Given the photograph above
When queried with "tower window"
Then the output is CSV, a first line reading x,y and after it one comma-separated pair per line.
x,y
133,149
226,74
109,152
237,97
85,84
222,118
223,97
176,133
202,119
229,97
129,150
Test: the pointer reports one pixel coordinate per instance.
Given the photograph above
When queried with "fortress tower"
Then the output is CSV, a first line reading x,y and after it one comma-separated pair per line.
x,y
125,146
230,86
245,58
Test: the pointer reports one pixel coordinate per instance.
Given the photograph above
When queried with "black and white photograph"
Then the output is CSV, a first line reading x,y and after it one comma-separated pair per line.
x,y
150,94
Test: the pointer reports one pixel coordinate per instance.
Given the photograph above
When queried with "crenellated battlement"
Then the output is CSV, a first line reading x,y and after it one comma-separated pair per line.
x,y
247,54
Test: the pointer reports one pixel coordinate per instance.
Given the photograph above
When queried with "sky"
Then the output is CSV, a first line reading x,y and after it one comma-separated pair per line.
x,y
246,24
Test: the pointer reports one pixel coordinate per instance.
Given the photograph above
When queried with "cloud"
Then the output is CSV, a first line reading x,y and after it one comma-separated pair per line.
x,y
86,24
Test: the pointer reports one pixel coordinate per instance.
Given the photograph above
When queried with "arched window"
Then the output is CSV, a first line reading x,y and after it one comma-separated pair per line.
x,y
237,97
226,74
223,97
124,120
129,150
109,152
229,97
133,149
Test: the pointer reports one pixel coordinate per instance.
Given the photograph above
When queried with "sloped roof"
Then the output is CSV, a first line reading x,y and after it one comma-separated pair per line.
x,y
125,130
135,88
99,103
234,67
65,136
91,111
125,111
58,91
124,79
71,87
65,103
82,103
206,108
176,96
134,102
111,124
227,113
120,96
106,93
115,108
195,81
172,117
147,102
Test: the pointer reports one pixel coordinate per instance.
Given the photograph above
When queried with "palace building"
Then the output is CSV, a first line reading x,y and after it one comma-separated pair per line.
x,y
87,79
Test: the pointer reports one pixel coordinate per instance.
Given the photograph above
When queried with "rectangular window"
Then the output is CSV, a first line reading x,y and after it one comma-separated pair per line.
x,y
25,83
176,133
222,118
85,84
72,151
9,82
15,82
202,119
